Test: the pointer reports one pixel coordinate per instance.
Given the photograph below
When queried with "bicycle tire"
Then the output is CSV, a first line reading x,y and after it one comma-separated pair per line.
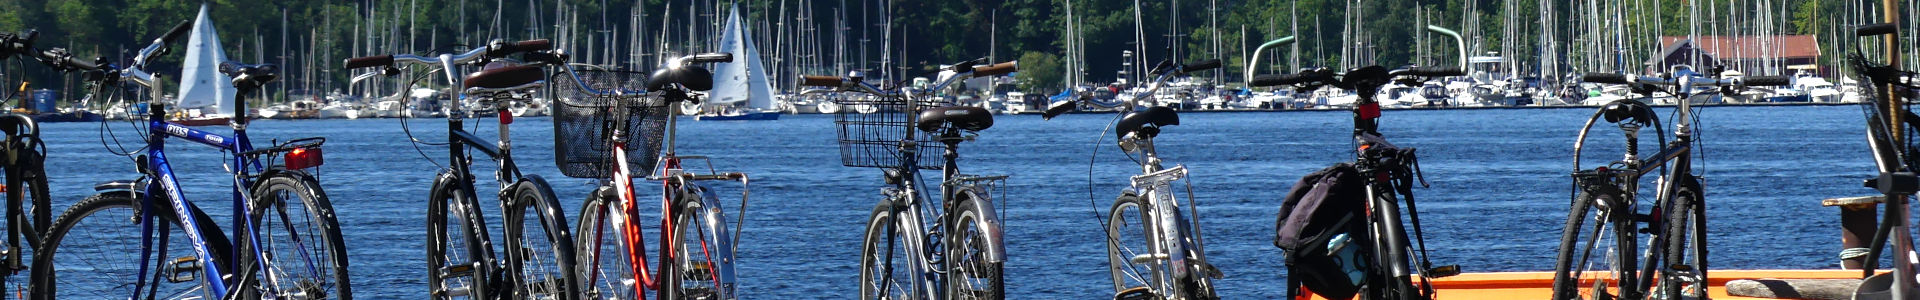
x,y
1120,252
108,236
606,265
684,277
899,283
30,185
325,260
470,231
539,273
1686,242
969,274
1606,232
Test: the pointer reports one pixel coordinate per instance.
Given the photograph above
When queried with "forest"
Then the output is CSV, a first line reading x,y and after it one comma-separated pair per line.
x,y
312,37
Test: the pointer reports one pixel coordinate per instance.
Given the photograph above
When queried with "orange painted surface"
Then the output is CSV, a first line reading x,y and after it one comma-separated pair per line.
x,y
1539,285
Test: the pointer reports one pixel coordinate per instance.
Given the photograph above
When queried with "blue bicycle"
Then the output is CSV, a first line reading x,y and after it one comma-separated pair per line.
x,y
286,243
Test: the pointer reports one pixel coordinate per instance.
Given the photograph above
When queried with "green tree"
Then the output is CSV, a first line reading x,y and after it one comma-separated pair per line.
x,y
1040,72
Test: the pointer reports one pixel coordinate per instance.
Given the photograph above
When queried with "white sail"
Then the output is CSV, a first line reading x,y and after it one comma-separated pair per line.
x,y
201,83
744,79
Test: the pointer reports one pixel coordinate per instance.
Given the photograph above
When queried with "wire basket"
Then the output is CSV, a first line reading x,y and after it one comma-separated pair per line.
x,y
872,129
588,108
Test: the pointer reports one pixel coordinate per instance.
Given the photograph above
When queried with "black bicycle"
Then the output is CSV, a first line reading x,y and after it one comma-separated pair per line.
x,y
538,261
1602,259
23,159
1891,131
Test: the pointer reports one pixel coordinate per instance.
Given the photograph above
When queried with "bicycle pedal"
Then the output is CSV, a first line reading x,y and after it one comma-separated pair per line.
x,y
698,272
1136,293
1211,271
1443,271
460,270
183,269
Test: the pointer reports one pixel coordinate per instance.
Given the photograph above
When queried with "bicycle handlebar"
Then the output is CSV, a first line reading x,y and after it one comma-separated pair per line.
x,y
1615,78
494,49
1435,71
176,32
1307,77
821,81
994,70
1166,70
1208,64
716,57
1876,29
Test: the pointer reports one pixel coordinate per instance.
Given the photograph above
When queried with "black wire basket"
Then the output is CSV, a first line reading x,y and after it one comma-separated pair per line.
x,y
872,129
589,107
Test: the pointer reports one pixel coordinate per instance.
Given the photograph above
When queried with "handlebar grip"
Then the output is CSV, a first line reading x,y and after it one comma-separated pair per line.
x,y
1435,71
369,61
176,32
1059,108
1610,78
715,57
1203,65
546,58
1876,29
530,45
821,81
1283,79
79,64
994,69
1767,80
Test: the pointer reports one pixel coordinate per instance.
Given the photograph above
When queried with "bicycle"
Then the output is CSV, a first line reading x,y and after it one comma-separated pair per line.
x,y
1674,265
539,261
1389,170
606,118
269,256
951,250
1163,255
23,159
1891,127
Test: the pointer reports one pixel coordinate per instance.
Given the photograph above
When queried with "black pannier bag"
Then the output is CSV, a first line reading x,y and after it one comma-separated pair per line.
x,y
1322,228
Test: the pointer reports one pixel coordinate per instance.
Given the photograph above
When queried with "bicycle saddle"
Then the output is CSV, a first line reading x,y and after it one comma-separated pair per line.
x,y
1148,122
250,74
1628,109
692,77
500,75
969,118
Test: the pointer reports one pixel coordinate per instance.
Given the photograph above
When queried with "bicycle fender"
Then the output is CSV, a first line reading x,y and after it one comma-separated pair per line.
x,y
446,182
989,224
540,185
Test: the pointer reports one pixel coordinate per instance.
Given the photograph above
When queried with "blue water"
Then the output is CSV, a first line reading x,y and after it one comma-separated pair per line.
x,y
1498,197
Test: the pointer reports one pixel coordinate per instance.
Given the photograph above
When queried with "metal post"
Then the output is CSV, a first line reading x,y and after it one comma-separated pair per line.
x,y
1897,204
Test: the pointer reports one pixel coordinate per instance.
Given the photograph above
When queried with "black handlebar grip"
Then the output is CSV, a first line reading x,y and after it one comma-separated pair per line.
x,y
177,31
994,69
1876,29
1280,79
80,64
1767,80
715,57
530,45
369,61
1435,71
545,58
821,81
1611,78
1059,108
1208,64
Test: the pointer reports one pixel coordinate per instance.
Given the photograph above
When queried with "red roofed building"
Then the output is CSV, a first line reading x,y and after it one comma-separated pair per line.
x,y
1754,55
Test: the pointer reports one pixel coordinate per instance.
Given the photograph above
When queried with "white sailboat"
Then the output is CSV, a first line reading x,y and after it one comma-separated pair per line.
x,y
206,95
740,88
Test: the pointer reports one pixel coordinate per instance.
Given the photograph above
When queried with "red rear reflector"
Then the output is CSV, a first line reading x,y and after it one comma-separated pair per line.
x,y
1369,111
506,117
303,158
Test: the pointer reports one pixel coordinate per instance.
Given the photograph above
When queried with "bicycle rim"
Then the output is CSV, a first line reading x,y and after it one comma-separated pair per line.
x,y
1590,264
1130,236
884,259
609,271
541,251
701,255
93,252
299,243
969,274
458,266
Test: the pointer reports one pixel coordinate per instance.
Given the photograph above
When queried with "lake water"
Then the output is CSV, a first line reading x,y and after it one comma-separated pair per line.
x,y
1498,198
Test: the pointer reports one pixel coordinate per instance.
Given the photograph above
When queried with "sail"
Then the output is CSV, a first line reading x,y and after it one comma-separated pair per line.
x,y
744,79
201,83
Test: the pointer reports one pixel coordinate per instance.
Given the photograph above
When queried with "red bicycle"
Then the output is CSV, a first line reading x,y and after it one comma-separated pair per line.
x,y
612,124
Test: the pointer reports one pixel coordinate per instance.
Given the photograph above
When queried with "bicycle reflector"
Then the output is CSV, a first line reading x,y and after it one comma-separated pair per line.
x,y
302,158
1369,111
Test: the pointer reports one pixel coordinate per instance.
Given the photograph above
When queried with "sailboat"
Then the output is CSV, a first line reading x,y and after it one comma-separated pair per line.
x,y
740,90
206,95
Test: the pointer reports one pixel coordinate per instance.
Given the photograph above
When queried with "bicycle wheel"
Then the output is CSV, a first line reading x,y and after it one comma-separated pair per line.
x,y
970,275
93,252
459,262
702,266
1130,235
606,261
1685,275
884,258
1596,261
299,240
28,186
540,256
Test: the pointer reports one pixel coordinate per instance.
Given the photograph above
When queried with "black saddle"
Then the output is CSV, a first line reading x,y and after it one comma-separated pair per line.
x,y
500,75
253,75
1147,123
1628,110
969,118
